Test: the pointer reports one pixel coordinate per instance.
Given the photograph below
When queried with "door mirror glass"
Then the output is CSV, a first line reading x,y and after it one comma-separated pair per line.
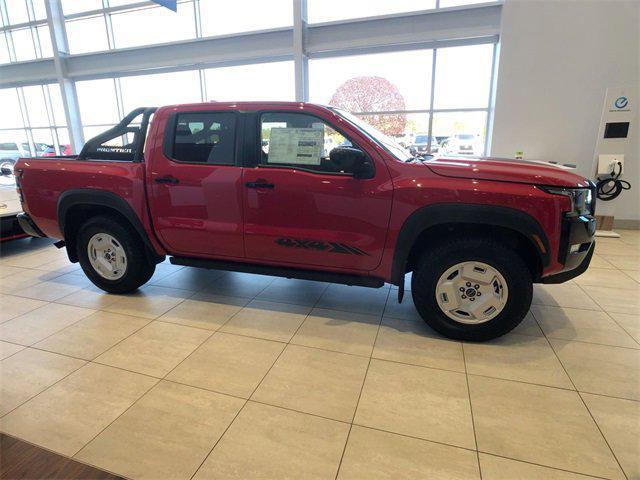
x,y
351,159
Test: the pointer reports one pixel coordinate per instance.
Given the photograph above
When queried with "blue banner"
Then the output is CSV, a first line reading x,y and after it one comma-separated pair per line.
x,y
170,4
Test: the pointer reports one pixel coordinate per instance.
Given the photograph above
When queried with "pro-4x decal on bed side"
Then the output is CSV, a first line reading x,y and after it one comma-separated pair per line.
x,y
329,247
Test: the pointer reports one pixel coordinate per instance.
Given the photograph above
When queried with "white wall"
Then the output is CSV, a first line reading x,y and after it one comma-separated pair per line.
x,y
556,60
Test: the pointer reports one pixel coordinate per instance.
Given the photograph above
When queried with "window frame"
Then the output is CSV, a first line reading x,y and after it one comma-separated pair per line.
x,y
170,134
256,144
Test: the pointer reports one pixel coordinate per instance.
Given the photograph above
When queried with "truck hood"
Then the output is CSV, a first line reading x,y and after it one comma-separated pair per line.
x,y
505,170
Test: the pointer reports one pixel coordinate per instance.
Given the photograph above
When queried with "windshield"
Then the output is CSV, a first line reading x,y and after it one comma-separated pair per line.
x,y
422,139
380,138
465,137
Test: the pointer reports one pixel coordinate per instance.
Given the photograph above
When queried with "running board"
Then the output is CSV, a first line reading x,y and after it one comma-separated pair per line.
x,y
330,277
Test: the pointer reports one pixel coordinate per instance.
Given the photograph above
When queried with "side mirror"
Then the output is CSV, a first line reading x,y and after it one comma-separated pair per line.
x,y
353,160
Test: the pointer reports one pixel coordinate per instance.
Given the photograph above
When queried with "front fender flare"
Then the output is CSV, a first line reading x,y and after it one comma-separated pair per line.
x,y
441,214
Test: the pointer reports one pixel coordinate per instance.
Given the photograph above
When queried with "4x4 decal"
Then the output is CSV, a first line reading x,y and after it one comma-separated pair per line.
x,y
329,247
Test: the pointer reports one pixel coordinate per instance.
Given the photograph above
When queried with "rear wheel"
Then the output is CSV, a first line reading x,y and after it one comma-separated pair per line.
x,y
113,256
472,289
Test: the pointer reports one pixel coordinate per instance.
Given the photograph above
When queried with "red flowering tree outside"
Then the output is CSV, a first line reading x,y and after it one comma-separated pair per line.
x,y
373,94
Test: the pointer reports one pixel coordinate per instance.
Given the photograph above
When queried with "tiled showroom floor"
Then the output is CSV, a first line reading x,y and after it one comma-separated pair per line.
x,y
219,375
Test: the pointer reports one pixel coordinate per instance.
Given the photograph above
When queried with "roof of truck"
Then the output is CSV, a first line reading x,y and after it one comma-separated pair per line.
x,y
245,104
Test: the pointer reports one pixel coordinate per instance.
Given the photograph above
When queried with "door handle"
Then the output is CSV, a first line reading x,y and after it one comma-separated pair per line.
x,y
167,180
259,184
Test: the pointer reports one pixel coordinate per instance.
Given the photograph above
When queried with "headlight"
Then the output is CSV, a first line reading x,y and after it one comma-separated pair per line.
x,y
581,199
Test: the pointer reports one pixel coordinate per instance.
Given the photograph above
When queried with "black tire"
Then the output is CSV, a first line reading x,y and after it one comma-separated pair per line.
x,y
436,261
138,268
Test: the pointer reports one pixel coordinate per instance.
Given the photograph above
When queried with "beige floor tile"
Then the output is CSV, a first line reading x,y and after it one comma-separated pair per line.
x,y
615,299
35,259
164,269
268,442
314,381
164,435
372,454
194,279
619,421
68,415
497,468
599,262
38,324
229,364
566,295
239,284
354,299
298,292
542,425
150,302
268,320
517,357
89,297
630,323
405,310
12,307
601,369
606,246
582,325
60,265
8,349
55,288
623,262
417,401
634,274
412,341
528,326
339,331
29,372
155,349
92,335
205,311
23,279
611,278
6,270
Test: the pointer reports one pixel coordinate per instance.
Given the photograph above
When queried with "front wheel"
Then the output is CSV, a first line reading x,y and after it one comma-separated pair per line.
x,y
472,289
112,255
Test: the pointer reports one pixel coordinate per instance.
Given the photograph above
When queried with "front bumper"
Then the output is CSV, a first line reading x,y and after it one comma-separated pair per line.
x,y
576,247
29,226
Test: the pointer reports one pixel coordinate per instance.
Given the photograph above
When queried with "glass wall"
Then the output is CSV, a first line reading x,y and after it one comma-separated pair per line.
x,y
32,124
264,81
104,102
335,10
431,100
93,28
429,111
25,34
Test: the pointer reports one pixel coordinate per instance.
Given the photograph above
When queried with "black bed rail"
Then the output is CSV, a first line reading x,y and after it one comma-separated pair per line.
x,y
97,148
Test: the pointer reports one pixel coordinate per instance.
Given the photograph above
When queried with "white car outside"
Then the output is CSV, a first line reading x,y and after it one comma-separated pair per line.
x,y
464,144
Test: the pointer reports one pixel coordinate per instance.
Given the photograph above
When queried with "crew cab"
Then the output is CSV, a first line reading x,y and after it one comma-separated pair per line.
x,y
251,187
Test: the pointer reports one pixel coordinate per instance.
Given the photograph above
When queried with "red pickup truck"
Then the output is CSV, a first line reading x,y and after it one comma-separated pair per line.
x,y
307,191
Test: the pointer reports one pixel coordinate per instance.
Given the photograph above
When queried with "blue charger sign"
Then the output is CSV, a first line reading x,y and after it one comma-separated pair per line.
x,y
621,102
170,4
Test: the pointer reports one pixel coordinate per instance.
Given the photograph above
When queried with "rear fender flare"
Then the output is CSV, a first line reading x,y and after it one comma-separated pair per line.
x,y
101,198
441,214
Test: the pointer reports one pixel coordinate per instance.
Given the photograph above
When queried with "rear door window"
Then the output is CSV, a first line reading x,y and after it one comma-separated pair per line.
x,y
205,137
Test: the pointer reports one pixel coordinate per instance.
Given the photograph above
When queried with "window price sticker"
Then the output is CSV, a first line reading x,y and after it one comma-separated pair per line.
x,y
301,146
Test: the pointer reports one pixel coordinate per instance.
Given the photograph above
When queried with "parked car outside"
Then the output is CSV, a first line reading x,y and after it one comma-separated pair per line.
x,y
50,151
464,144
420,145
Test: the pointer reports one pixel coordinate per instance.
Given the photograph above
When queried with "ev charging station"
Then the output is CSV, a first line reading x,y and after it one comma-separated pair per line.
x,y
613,146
